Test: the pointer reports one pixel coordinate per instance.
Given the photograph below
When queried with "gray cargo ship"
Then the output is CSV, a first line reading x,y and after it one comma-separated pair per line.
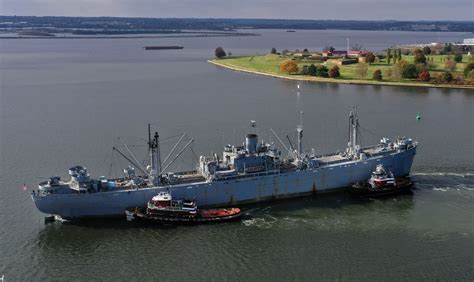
x,y
253,172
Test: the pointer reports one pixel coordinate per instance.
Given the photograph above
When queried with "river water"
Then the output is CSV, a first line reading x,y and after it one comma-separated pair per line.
x,y
65,102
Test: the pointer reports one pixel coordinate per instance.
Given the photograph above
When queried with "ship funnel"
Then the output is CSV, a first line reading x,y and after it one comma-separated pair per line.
x,y
251,143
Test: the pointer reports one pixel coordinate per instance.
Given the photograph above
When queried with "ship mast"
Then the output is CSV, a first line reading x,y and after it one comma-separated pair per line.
x,y
353,131
299,131
154,148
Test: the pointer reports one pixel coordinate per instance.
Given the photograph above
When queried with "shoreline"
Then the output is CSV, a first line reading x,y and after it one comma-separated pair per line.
x,y
340,81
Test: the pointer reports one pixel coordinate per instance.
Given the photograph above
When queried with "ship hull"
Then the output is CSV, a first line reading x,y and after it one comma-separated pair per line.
x,y
252,189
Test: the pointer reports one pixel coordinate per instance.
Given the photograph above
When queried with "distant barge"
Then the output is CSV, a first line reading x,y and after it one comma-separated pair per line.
x,y
162,47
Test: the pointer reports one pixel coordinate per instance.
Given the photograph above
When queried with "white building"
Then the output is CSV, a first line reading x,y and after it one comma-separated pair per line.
x,y
468,41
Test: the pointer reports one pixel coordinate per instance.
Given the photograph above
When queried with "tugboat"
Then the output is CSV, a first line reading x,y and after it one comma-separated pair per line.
x,y
163,209
382,183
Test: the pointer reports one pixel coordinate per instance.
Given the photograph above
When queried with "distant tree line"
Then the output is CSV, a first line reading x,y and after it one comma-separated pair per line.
x,y
229,24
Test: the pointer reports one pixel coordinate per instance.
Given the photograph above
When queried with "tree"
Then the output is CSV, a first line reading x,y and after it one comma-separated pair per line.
x,y
447,48
417,51
370,58
361,70
388,56
229,53
458,58
439,78
312,70
419,58
394,56
424,76
409,71
399,55
470,75
396,71
426,50
450,65
273,51
305,51
289,66
334,72
322,71
468,68
402,64
447,77
285,51
377,75
220,53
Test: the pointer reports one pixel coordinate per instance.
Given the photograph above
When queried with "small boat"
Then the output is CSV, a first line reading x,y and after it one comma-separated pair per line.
x,y
382,183
162,47
163,209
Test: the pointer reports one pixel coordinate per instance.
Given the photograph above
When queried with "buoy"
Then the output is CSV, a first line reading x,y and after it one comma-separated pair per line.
x,y
298,85
418,116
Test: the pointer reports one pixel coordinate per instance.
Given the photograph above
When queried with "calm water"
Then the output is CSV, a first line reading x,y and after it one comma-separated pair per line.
x,y
65,102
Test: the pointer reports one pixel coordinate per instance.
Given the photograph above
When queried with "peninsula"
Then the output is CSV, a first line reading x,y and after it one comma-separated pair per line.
x,y
397,67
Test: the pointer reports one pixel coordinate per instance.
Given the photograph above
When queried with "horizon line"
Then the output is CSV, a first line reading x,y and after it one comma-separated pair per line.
x,y
242,18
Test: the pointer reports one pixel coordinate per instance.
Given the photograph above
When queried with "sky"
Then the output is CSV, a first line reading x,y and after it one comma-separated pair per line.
x,y
270,9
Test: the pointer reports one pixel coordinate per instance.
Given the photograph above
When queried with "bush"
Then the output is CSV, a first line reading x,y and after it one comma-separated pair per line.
x,y
439,78
220,53
409,71
447,77
458,58
289,66
284,52
459,80
361,70
450,65
468,68
334,72
424,76
396,71
377,75
402,64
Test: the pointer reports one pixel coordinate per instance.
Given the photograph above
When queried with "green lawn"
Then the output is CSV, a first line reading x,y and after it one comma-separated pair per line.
x,y
270,64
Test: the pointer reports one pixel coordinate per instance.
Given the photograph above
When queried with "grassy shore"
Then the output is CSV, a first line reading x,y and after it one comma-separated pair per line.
x,y
269,65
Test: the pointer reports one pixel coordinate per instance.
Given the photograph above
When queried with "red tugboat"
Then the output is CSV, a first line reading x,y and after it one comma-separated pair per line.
x,y
163,209
382,183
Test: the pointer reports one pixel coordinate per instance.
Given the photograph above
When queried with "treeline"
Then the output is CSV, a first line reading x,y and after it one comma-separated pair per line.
x,y
230,24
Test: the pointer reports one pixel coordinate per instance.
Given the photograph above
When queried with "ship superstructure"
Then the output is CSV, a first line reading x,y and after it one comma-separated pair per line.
x,y
252,172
